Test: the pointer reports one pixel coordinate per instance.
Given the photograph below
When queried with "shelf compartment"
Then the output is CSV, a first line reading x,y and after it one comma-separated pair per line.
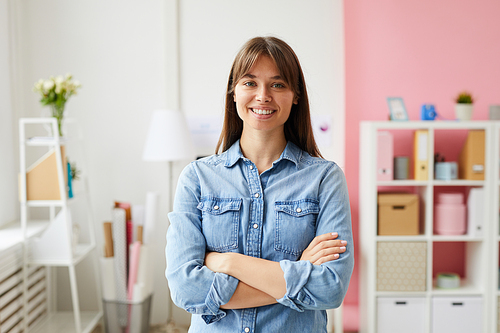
x,y
401,266
79,254
467,259
11,234
422,193
65,322
466,288
474,227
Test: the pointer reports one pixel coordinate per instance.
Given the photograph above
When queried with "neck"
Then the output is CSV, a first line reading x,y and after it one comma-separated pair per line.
x,y
262,149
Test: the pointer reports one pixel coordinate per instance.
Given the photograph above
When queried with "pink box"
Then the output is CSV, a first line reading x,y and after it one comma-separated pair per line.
x,y
385,156
450,214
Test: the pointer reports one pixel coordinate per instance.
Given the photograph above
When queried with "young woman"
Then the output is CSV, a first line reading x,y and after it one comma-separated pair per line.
x,y
260,237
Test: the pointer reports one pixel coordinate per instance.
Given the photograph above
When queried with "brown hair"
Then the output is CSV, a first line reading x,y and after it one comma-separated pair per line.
x,y
298,127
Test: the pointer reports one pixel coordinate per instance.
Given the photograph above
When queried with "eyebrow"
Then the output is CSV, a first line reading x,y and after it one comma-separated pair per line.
x,y
251,76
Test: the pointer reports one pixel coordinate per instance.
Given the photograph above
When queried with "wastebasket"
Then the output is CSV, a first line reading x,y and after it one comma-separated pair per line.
x,y
127,316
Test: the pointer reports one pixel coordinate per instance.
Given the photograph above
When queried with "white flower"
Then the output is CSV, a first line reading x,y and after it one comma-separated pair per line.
x,y
48,84
59,79
58,87
39,85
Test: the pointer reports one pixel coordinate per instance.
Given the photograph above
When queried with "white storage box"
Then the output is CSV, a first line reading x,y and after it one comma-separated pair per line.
x,y
402,314
457,314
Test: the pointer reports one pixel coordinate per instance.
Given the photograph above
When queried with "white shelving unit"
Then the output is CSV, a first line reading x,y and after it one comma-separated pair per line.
x,y
57,243
495,199
480,260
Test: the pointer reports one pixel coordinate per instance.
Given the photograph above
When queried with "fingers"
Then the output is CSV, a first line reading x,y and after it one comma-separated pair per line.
x,y
324,248
326,259
327,254
321,238
339,245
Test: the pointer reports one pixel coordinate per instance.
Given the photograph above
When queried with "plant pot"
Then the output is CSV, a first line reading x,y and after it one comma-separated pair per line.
x,y
464,111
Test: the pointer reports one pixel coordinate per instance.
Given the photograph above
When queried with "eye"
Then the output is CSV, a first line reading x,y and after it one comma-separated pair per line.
x,y
278,85
249,84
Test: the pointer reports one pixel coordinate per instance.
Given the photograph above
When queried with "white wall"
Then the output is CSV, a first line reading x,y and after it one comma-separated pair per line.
x,y
9,208
120,51
213,31
115,49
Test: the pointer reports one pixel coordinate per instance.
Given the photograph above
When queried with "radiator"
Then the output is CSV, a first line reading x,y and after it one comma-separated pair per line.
x,y
11,292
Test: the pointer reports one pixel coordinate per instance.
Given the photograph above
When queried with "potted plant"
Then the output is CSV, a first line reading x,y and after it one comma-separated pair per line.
x,y
55,92
464,106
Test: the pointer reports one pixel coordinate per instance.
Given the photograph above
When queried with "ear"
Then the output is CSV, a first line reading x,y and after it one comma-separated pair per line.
x,y
234,97
296,100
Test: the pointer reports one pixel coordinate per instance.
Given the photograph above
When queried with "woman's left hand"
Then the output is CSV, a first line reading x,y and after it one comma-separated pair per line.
x,y
324,248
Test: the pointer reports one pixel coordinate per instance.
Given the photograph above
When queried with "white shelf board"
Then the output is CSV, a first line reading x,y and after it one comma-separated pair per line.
x,y
401,294
457,238
45,141
458,182
435,124
64,322
81,252
435,182
54,203
405,182
465,288
11,234
402,238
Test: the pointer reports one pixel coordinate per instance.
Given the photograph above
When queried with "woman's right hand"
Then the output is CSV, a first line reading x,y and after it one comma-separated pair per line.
x,y
324,248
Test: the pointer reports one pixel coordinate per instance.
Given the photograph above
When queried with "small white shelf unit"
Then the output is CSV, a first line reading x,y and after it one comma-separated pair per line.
x,y
480,262
56,244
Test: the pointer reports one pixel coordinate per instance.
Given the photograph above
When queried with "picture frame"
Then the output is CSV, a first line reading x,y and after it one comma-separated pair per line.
x,y
397,109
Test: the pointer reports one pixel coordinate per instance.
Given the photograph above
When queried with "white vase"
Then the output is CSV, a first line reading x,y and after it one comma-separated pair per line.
x,y
463,111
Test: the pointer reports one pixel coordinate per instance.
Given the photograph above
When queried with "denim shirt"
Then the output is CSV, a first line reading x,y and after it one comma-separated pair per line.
x,y
222,204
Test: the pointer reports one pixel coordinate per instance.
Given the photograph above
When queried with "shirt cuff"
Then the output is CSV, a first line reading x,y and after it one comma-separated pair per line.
x,y
296,276
220,293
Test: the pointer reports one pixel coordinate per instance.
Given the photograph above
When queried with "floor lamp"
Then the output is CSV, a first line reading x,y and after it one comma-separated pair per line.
x,y
168,140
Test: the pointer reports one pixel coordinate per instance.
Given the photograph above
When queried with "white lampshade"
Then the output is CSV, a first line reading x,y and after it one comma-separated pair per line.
x,y
168,138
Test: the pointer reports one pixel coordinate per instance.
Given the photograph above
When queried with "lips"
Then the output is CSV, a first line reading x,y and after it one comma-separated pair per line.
x,y
262,111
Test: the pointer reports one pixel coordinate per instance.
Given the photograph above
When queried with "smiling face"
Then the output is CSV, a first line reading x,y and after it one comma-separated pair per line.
x,y
263,99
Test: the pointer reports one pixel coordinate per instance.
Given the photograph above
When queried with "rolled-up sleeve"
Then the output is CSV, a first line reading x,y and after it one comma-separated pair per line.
x,y
193,286
320,287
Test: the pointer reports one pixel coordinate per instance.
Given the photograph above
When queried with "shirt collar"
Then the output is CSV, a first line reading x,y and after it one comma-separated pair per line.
x,y
291,153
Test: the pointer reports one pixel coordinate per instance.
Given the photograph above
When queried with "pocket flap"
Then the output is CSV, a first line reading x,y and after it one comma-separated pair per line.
x,y
218,206
298,208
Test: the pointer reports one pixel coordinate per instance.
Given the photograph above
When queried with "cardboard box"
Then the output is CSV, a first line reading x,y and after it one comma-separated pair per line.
x,y
42,182
398,214
471,160
401,266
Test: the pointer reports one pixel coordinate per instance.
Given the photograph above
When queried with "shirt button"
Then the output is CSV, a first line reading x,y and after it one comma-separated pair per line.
x,y
298,210
257,195
251,167
216,207
247,329
255,226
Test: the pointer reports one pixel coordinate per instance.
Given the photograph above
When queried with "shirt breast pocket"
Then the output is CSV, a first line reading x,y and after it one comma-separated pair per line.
x,y
295,225
220,222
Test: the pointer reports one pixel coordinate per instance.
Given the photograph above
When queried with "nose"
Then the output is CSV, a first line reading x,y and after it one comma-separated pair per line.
x,y
263,94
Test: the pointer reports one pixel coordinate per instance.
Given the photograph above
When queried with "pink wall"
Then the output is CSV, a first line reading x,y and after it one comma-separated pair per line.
x,y
425,51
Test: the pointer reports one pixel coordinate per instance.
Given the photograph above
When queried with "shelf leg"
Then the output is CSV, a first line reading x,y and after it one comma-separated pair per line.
x,y
335,323
74,298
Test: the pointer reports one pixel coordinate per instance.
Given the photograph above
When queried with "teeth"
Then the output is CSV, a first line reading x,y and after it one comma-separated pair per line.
x,y
258,111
